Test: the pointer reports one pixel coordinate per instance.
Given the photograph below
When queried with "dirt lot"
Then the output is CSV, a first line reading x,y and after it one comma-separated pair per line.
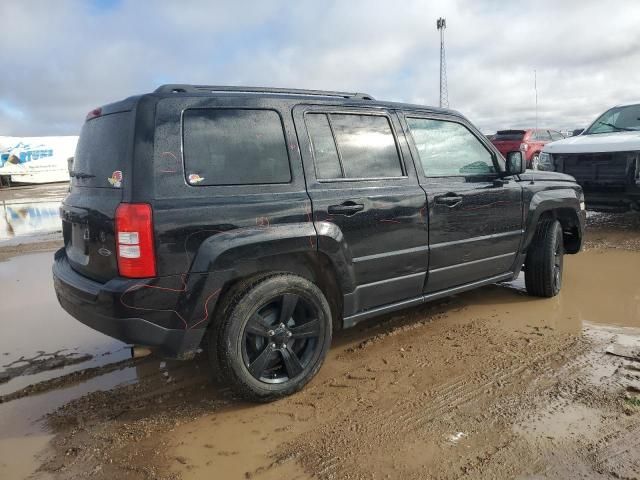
x,y
487,384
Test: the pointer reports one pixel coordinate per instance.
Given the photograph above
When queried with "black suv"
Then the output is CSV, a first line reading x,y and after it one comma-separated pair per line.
x,y
262,220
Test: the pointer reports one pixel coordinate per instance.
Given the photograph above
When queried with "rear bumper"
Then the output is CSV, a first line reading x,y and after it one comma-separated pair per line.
x,y
96,305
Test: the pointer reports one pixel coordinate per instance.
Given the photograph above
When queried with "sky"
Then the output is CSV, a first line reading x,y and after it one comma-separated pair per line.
x,y
62,58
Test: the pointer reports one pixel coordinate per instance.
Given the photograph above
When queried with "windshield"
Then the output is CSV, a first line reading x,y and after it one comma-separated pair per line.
x,y
618,119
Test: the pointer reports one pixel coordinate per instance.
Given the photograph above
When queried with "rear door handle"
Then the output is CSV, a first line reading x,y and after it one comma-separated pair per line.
x,y
448,200
347,208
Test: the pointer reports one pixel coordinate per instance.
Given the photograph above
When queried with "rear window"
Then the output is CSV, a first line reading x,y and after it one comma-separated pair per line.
x,y
366,147
234,147
102,151
506,135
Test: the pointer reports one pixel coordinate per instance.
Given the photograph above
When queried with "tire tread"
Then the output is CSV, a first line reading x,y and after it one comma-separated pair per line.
x,y
538,266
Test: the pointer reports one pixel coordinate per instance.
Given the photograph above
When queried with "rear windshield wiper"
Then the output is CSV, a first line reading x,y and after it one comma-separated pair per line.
x,y
617,128
80,175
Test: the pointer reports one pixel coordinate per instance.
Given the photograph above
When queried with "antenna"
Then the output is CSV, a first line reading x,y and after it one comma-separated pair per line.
x,y
444,93
535,88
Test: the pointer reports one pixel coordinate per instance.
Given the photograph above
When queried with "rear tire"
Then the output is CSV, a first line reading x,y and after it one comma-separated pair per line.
x,y
544,263
273,337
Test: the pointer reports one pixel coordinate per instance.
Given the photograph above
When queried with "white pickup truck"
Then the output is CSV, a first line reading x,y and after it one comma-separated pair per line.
x,y
604,159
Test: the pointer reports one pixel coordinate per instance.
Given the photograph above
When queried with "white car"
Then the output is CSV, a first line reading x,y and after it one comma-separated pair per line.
x,y
604,159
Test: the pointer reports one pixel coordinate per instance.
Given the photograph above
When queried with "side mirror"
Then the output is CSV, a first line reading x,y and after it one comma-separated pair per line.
x,y
516,164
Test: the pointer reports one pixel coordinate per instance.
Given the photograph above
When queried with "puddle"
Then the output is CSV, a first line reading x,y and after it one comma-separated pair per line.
x,y
34,325
556,423
23,435
19,457
599,287
28,218
33,322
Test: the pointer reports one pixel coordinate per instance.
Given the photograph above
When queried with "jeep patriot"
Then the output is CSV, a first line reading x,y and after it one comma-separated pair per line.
x,y
255,222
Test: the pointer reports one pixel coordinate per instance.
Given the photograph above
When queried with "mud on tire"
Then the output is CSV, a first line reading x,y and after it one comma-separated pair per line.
x,y
544,263
271,337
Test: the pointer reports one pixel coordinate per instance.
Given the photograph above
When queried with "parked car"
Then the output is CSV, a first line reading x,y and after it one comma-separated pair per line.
x,y
604,159
263,220
530,141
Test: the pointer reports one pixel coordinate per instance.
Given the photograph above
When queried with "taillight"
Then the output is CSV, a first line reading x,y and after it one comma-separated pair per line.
x,y
134,240
96,112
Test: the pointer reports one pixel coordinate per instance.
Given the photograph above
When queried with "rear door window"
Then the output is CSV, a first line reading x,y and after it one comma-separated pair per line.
x,y
234,147
102,153
353,146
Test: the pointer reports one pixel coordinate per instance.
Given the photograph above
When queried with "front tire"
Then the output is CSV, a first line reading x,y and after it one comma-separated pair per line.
x,y
545,259
273,338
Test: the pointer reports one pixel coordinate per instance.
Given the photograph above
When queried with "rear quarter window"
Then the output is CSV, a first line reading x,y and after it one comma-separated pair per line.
x,y
234,147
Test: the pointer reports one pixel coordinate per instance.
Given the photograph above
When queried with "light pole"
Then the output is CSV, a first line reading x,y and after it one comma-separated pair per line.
x,y
444,94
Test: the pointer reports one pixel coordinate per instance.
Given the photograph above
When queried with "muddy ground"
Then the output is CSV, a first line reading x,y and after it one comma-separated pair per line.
x,y
487,384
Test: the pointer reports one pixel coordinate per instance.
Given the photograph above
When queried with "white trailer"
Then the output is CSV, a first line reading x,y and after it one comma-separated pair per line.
x,y
36,159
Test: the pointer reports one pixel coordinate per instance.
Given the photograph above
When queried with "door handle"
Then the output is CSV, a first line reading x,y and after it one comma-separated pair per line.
x,y
347,208
449,200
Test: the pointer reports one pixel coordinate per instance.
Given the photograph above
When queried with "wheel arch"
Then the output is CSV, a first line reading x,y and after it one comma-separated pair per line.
x,y
562,205
222,262
313,266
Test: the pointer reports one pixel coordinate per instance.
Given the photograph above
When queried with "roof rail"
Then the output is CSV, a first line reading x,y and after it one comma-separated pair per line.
x,y
184,88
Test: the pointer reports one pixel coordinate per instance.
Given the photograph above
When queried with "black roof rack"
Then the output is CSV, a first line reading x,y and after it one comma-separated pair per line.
x,y
183,88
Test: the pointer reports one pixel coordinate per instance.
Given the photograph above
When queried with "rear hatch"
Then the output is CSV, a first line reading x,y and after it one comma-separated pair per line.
x,y
508,140
99,173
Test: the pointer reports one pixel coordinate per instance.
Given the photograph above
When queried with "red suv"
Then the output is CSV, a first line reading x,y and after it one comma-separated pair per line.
x,y
529,141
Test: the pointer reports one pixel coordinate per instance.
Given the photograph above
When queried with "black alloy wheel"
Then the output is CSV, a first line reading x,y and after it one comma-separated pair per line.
x,y
280,339
271,335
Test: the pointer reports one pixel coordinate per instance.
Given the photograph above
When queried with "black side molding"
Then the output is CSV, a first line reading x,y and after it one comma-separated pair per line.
x,y
353,320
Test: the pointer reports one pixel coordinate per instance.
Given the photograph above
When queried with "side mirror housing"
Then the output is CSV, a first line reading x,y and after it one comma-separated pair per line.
x,y
516,163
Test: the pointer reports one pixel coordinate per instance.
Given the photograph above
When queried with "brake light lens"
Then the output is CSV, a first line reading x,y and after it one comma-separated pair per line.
x,y
134,239
96,112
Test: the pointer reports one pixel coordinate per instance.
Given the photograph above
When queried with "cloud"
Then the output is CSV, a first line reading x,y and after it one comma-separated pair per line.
x,y
61,59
